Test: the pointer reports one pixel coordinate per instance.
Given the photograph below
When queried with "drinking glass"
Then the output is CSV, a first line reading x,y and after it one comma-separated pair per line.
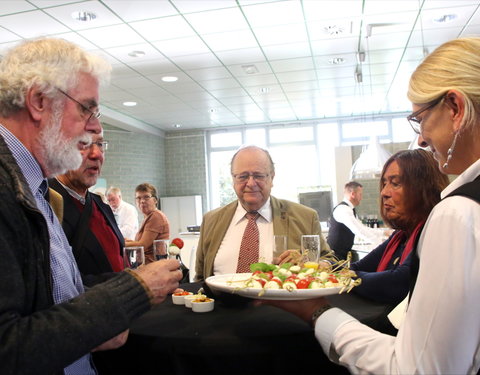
x,y
280,245
133,256
310,248
160,249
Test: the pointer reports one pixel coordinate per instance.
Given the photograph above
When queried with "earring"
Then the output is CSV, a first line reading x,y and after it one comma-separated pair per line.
x,y
450,151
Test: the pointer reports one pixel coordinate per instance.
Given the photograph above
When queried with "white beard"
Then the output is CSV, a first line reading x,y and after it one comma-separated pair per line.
x,y
59,154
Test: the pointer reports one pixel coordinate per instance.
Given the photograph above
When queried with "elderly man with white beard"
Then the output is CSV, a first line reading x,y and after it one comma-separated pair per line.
x,y
49,324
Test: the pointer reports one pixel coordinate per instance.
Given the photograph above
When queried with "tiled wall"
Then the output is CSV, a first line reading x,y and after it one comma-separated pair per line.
x,y
133,158
186,165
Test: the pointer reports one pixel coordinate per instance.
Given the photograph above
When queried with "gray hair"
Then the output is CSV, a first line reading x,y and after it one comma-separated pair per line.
x,y
47,63
253,147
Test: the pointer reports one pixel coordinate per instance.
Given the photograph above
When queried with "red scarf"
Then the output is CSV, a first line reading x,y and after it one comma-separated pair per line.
x,y
393,244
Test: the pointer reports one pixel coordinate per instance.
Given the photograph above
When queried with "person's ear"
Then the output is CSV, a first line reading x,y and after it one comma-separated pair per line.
x,y
35,103
455,101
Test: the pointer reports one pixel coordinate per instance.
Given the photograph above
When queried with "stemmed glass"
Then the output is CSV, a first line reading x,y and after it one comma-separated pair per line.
x,y
280,246
133,257
160,249
310,249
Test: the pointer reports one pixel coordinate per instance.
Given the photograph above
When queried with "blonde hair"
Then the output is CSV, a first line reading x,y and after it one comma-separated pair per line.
x,y
454,65
49,64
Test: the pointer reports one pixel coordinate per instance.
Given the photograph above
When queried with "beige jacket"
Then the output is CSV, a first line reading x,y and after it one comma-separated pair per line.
x,y
289,218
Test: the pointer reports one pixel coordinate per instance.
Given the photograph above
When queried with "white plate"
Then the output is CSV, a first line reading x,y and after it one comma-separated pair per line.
x,y
233,283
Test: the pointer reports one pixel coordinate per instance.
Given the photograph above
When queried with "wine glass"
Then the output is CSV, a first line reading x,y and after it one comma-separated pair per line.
x,y
160,249
133,256
280,246
310,249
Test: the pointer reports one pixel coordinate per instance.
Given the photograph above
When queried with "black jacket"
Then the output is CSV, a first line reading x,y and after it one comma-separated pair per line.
x,y
90,257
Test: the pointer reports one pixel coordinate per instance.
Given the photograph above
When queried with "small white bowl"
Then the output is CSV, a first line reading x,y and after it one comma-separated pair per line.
x,y
188,300
179,300
203,306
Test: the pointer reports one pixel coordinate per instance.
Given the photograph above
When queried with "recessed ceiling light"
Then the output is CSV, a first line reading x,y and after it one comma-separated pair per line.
x,y
136,54
334,30
444,18
212,110
169,79
129,104
177,125
84,16
250,69
336,60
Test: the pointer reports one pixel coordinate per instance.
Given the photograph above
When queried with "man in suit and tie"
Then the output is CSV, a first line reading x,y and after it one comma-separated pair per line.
x,y
223,246
88,222
344,224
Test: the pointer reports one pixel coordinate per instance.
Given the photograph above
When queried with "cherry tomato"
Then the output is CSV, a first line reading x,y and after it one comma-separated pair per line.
x,y
178,242
332,278
304,283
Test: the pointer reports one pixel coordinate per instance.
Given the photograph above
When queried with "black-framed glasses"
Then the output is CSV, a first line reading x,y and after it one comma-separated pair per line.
x,y
95,114
244,177
414,122
102,145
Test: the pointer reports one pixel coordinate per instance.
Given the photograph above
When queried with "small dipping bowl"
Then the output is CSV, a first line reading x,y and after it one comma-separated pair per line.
x,y
188,300
205,305
180,299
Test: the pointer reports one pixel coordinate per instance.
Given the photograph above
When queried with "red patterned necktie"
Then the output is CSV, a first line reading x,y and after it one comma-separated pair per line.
x,y
249,247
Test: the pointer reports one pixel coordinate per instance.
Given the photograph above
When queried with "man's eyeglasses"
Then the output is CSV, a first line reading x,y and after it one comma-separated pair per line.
x,y
144,198
92,114
415,123
244,177
102,145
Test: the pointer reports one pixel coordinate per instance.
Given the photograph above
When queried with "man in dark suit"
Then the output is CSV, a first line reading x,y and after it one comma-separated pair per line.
x,y
88,222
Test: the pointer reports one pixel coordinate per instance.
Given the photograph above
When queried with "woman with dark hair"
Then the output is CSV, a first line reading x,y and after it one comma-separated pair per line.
x,y
155,225
410,187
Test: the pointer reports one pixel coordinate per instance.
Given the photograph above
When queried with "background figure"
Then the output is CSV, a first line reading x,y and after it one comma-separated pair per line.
x,y
49,323
410,186
126,214
88,222
222,230
344,224
155,225
440,331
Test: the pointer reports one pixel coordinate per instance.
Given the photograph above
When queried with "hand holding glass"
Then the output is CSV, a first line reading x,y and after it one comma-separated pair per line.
x,y
311,248
133,257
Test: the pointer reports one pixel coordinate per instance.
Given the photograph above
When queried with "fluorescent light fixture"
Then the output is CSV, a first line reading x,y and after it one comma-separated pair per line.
x,y
84,16
169,79
129,104
137,54
264,90
177,126
336,61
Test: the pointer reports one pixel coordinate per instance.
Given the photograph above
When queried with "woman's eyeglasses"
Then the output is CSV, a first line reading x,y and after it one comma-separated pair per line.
x,y
416,123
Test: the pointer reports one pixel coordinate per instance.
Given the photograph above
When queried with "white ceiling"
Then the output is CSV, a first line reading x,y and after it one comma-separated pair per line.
x,y
209,45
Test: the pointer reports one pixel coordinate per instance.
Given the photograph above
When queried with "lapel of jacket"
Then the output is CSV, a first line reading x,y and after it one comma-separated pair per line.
x,y
108,214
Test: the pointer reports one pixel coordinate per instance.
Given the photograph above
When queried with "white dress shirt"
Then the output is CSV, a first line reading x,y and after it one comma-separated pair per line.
x,y
441,330
227,256
126,216
344,214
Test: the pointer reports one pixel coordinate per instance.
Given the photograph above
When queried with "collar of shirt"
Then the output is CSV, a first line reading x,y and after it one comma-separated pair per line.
x,y
350,204
73,193
25,160
265,212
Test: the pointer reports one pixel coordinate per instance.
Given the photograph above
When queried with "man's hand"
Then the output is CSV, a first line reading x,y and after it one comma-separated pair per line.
x,y
113,343
161,277
289,256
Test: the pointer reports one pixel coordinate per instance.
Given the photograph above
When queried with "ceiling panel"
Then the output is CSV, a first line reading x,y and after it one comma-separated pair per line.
x,y
252,61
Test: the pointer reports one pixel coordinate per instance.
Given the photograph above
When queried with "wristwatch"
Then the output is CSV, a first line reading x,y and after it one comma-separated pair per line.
x,y
316,314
